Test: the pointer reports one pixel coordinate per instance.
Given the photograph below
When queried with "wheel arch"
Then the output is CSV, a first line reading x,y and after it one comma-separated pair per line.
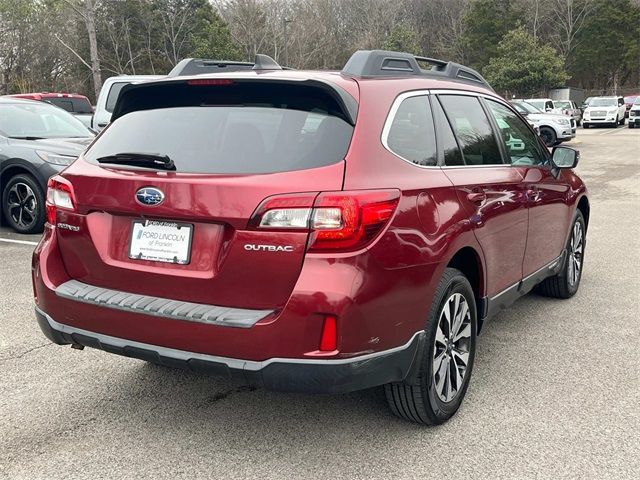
x,y
15,167
585,209
468,260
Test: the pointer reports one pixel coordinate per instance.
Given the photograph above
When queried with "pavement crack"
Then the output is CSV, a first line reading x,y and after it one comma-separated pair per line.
x,y
26,352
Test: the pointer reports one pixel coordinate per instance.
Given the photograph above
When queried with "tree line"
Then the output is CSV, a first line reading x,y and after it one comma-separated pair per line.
x,y
521,46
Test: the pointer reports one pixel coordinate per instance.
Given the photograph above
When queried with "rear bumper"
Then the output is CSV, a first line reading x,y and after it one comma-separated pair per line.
x,y
281,374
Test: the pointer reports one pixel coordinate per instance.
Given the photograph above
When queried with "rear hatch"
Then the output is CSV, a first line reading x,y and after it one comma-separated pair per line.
x,y
187,234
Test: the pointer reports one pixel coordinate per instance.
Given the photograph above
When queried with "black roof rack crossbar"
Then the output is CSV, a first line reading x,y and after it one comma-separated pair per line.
x,y
196,66
379,63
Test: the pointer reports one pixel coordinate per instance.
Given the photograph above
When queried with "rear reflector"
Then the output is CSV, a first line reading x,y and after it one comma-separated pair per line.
x,y
343,221
60,195
329,339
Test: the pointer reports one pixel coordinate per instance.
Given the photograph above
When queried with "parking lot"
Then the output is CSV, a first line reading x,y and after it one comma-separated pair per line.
x,y
554,392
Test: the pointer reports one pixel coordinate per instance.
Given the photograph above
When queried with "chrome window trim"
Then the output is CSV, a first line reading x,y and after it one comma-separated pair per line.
x,y
426,92
391,117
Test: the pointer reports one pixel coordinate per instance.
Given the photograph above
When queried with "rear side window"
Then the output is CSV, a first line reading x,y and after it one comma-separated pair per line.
x,y
112,97
472,129
411,134
269,130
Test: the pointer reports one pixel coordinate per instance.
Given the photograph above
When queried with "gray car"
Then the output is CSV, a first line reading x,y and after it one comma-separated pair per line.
x,y
37,140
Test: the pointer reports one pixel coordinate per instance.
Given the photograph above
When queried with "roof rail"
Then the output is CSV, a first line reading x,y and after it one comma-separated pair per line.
x,y
196,66
380,63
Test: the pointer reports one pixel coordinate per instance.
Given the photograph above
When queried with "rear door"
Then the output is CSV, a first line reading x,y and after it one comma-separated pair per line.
x,y
491,191
545,193
234,146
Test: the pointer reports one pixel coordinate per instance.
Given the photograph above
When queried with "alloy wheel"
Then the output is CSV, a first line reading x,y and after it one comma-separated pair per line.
x,y
22,205
576,248
451,347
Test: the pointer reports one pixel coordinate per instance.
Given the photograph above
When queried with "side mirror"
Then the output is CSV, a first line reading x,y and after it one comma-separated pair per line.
x,y
565,157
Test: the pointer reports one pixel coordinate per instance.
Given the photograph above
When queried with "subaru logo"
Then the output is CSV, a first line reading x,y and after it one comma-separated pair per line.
x,y
149,196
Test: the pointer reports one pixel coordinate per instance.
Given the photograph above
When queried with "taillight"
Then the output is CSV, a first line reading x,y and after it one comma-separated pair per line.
x,y
350,220
60,195
337,220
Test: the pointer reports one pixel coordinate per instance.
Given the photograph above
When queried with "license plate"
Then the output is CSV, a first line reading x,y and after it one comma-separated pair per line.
x,y
161,241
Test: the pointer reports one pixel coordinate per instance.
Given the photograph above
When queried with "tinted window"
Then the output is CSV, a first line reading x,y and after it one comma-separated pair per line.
x,y
522,145
412,135
450,149
62,103
75,105
229,139
472,129
114,93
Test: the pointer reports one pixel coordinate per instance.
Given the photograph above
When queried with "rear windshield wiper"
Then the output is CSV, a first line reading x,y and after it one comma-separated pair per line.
x,y
148,160
26,137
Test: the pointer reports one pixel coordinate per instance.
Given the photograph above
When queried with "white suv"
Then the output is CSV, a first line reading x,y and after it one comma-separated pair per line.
x,y
604,110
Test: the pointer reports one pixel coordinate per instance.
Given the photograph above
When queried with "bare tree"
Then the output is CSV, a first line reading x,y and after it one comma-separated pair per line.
x,y
570,16
86,10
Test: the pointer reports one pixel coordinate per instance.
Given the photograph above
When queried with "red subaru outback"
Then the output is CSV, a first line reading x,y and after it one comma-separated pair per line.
x,y
320,232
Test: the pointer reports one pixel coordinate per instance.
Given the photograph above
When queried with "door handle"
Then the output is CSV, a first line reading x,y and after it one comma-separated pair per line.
x,y
476,197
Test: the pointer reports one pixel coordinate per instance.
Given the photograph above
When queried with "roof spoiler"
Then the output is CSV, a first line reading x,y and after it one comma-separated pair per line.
x,y
380,63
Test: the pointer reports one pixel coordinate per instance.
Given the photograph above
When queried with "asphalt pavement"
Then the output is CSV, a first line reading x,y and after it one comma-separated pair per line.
x,y
555,390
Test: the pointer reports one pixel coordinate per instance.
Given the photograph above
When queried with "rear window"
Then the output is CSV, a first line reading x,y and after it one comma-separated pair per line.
x,y
114,93
229,139
73,105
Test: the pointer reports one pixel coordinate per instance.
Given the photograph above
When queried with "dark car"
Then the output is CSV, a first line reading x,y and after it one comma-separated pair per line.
x,y
37,140
318,232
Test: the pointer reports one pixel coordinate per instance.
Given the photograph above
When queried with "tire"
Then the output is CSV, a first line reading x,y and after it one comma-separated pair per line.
x,y
549,136
566,282
585,125
623,121
616,123
631,125
578,123
421,401
23,204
